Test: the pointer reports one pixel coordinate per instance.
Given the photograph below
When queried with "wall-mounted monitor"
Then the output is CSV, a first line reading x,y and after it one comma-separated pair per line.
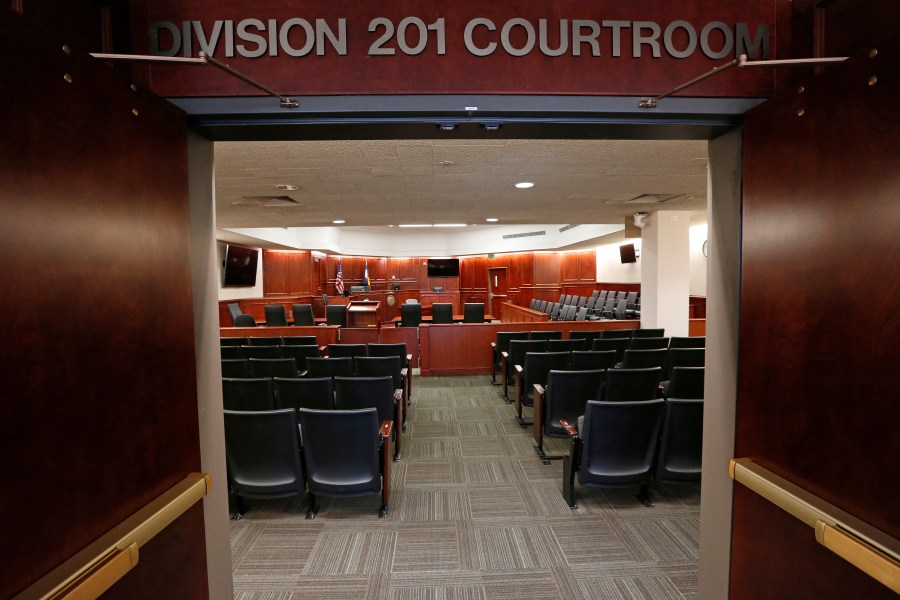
x,y
240,266
627,253
443,267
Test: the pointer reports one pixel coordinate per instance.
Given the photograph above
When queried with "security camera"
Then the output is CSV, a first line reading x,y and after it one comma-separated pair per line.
x,y
639,219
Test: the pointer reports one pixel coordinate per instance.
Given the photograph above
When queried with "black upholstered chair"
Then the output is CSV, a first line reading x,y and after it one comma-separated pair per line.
x,y
346,453
532,372
555,334
275,315
307,392
410,315
629,385
473,312
441,313
234,309
262,351
648,343
563,398
681,442
346,350
616,333
329,367
617,344
233,341
300,354
236,367
648,333
231,352
399,350
516,356
243,320
500,346
336,314
592,360
300,340
688,342
377,392
273,367
303,314
614,446
641,359
569,345
587,336
686,383
262,452
248,394
378,366
683,357
268,340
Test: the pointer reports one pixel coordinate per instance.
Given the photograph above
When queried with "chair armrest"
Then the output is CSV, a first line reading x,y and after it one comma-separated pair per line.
x,y
408,358
404,372
505,355
303,373
493,345
398,395
538,390
569,428
519,369
386,428
322,349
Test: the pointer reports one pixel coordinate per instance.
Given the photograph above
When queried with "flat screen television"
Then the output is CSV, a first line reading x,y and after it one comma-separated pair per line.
x,y
443,267
240,266
627,254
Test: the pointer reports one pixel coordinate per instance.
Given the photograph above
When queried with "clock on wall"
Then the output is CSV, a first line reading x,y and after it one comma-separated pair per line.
x,y
705,248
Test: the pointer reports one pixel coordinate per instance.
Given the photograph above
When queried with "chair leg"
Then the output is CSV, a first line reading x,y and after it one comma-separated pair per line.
x,y
240,508
313,507
644,495
569,482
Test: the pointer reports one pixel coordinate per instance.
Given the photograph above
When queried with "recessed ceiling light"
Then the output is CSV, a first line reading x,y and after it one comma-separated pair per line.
x,y
286,186
492,220
339,221
524,185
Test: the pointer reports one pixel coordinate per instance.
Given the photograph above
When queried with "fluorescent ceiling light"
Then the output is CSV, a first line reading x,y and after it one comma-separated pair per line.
x,y
449,224
492,220
414,225
524,185
339,221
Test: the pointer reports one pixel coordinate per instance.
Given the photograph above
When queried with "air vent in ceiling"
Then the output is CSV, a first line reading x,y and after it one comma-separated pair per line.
x,y
652,198
568,227
521,235
269,201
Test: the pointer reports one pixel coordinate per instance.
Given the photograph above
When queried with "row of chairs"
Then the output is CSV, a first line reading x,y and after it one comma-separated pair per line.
x,y
287,452
363,390
301,314
600,305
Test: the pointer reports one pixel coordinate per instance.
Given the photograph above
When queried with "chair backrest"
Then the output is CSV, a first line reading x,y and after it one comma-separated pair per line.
x,y
303,314
617,344
542,306
237,367
325,299
648,343
243,320
601,297
621,295
355,469
582,313
378,366
582,302
567,393
275,315
595,293
329,367
590,303
554,311
555,334
620,440
441,313
533,304
631,385
561,298
631,298
266,340
410,315
587,336
231,352
300,354
517,351
569,314
641,359
538,366
648,333
233,341
345,350
565,345
378,350
608,306
300,340
681,442
503,340
248,394
686,383
336,314
567,300
309,392
592,360
262,451
262,351
351,393
619,311
688,342
684,357
234,309
273,367
473,312
616,333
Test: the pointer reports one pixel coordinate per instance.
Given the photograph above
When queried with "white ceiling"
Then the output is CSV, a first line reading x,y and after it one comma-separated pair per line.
x,y
381,183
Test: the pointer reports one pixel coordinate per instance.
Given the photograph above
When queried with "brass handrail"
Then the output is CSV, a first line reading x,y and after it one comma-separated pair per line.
x,y
869,549
93,570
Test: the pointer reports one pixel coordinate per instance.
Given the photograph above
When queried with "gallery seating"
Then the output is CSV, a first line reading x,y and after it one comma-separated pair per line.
x,y
642,359
617,344
555,334
533,370
648,333
616,333
516,356
231,352
587,336
688,342
346,350
239,367
306,392
300,354
268,340
262,351
377,366
683,357
563,398
378,392
329,367
648,343
272,367
233,341
592,360
399,350
299,340
248,393
569,345
681,442
500,346
627,385
686,383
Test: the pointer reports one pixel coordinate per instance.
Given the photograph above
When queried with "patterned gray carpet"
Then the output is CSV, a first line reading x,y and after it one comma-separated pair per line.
x,y
474,515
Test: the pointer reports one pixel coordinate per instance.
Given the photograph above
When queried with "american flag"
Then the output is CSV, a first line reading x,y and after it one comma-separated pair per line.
x,y
366,277
339,282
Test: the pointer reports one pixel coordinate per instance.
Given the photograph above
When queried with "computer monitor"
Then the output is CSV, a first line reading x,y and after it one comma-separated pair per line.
x,y
395,286
437,290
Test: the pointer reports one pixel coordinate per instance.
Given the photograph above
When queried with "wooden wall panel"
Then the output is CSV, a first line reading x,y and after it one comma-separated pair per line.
x,y
568,267
275,272
299,273
546,268
97,357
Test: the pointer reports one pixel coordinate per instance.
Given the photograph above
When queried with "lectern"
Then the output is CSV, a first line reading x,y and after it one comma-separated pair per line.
x,y
363,313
